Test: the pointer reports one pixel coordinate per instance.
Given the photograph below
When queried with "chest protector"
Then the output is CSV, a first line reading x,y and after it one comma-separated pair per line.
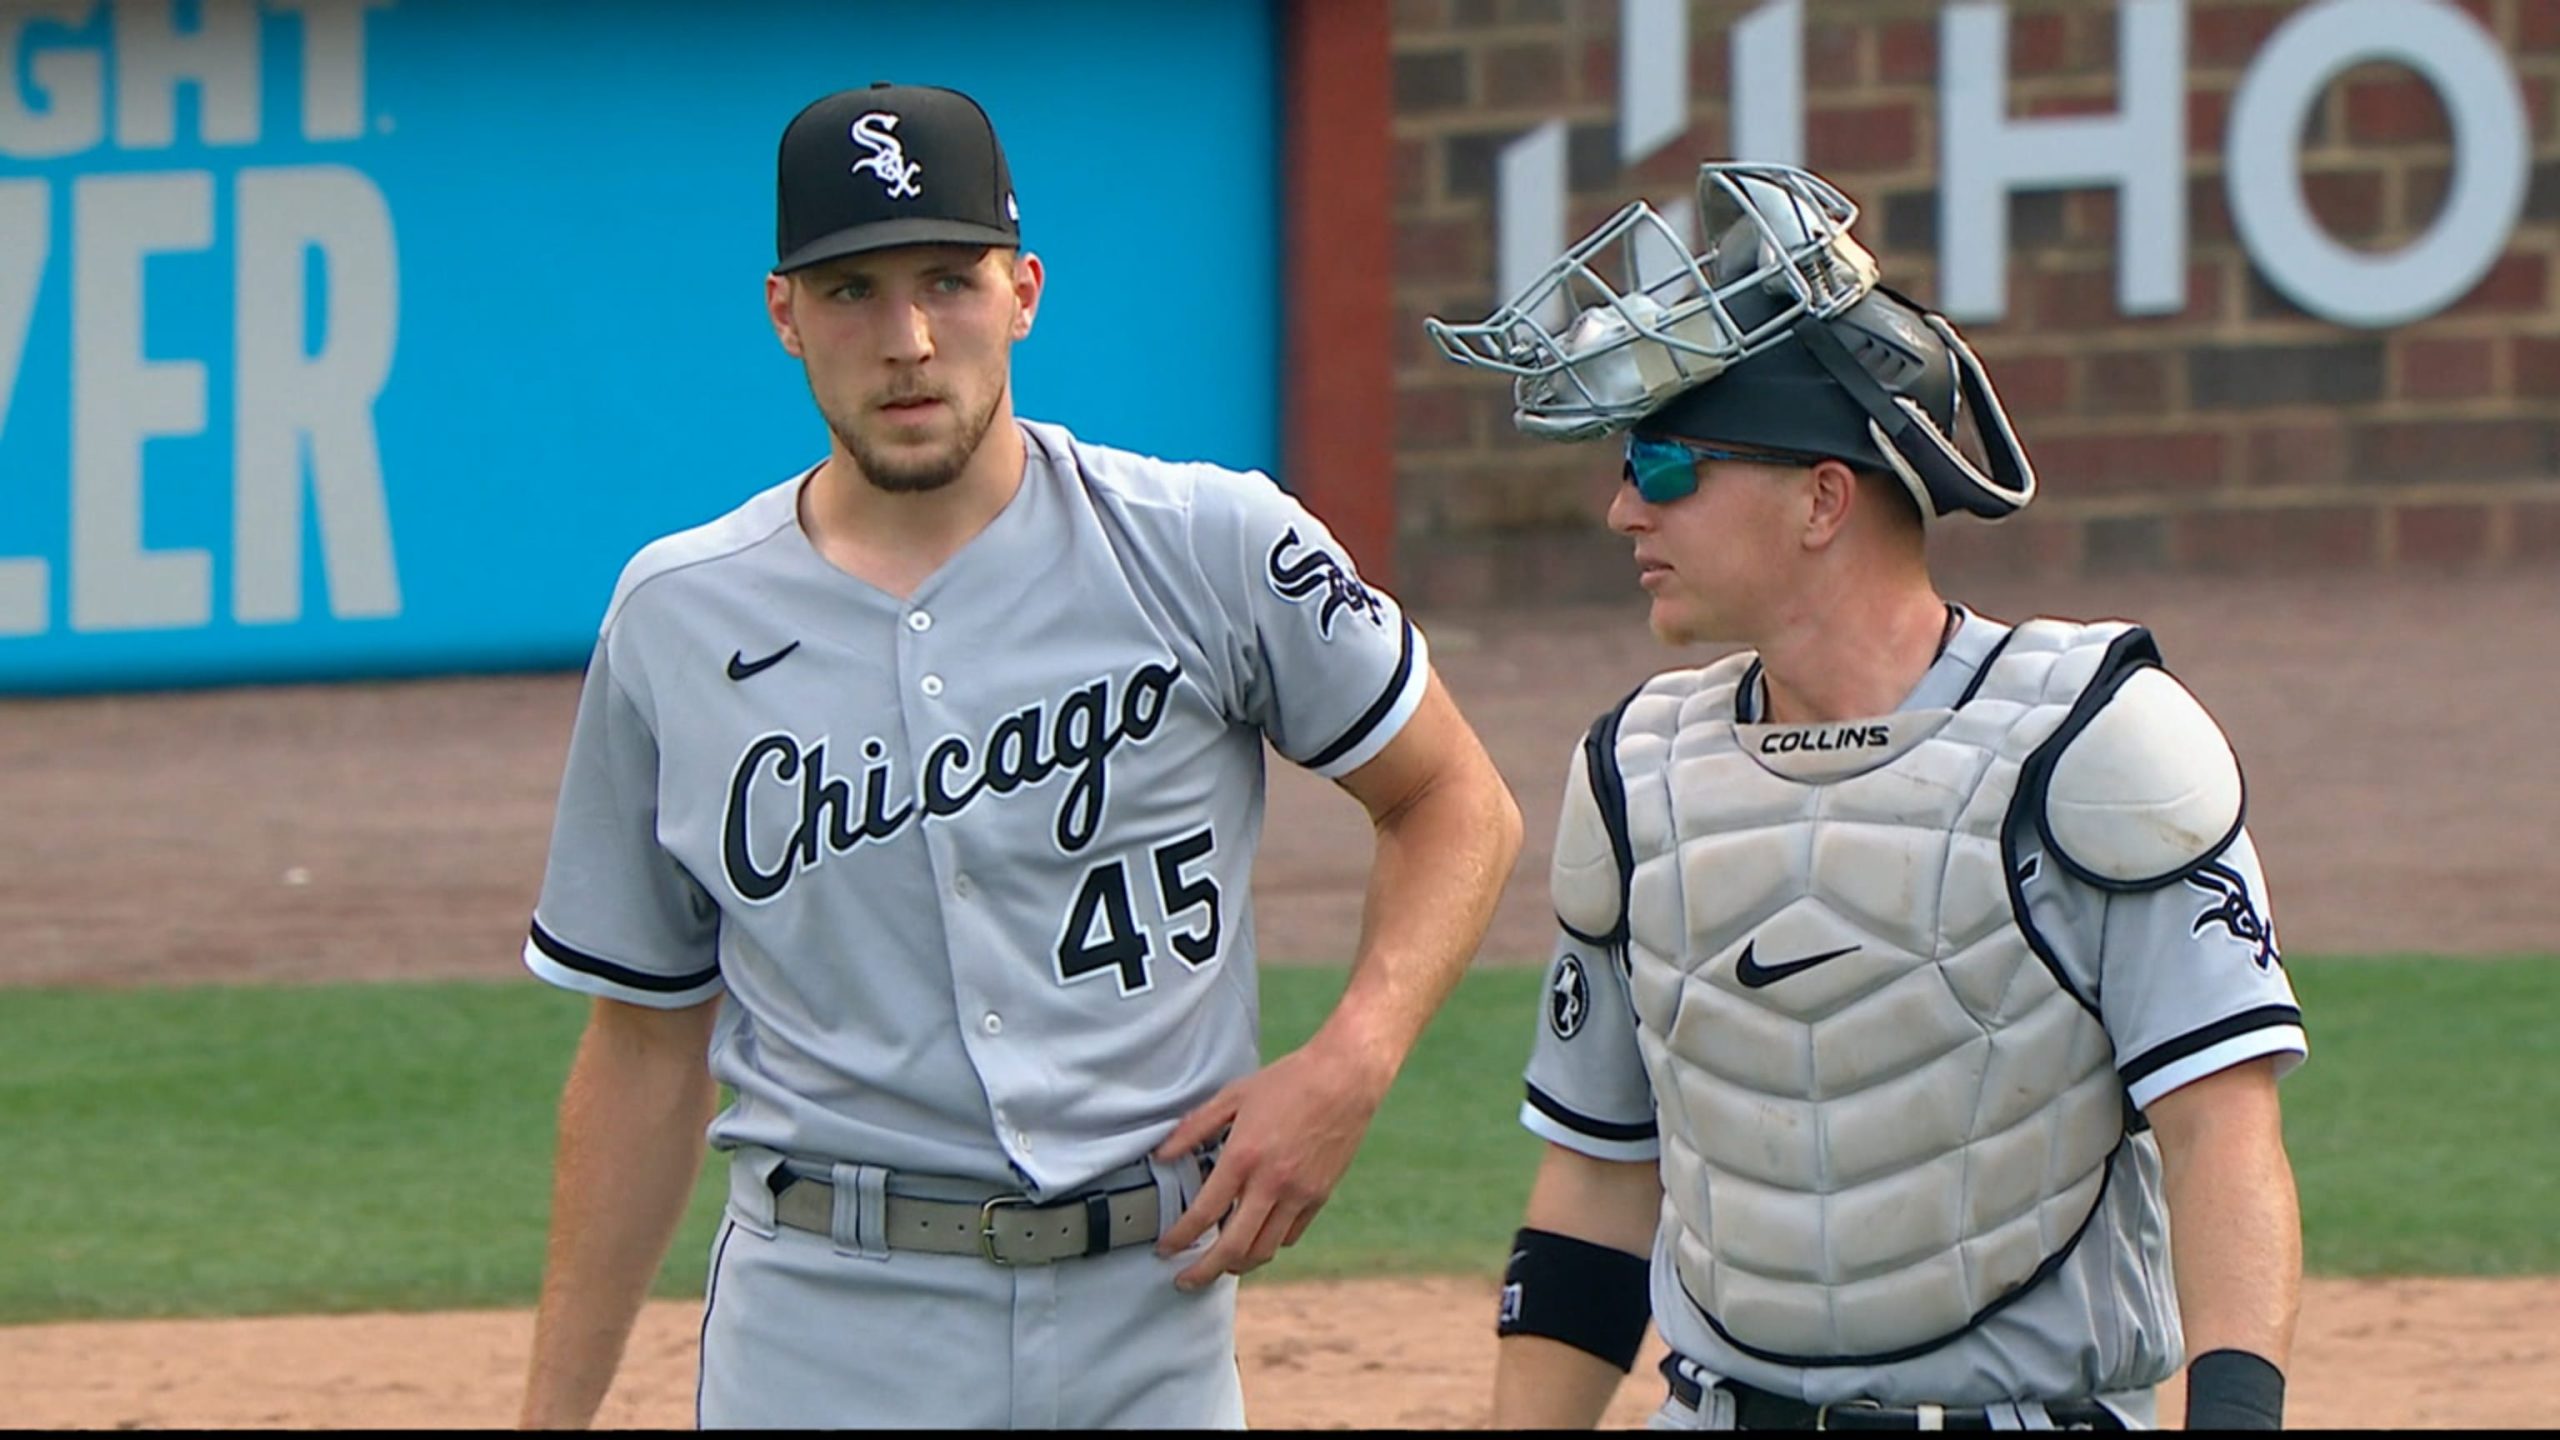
x,y
1885,1109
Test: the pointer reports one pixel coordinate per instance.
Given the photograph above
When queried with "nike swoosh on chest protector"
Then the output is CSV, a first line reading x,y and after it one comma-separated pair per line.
x,y
1753,974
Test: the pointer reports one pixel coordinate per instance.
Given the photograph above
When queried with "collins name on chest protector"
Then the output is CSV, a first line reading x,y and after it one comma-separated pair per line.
x,y
1886,1109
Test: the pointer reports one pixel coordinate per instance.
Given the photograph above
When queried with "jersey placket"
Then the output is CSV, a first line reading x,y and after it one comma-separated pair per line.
x,y
936,712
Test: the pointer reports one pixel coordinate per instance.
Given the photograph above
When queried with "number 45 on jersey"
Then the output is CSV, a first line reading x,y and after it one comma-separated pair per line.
x,y
1102,932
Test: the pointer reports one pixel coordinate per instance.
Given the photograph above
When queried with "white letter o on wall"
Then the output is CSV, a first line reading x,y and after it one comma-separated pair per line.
x,y
2491,159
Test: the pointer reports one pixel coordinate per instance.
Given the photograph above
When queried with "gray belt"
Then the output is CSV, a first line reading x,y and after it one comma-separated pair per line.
x,y
1006,1228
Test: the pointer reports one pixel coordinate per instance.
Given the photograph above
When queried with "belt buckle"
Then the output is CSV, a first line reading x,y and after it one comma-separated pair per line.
x,y
987,1224
1822,1412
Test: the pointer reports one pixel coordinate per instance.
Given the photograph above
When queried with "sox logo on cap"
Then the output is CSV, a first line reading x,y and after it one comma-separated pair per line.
x,y
874,132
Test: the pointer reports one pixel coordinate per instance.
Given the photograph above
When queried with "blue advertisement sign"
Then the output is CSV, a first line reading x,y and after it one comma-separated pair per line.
x,y
369,337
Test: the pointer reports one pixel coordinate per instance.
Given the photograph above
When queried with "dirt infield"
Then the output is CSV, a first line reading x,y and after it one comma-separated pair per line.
x,y
1411,1355
2401,790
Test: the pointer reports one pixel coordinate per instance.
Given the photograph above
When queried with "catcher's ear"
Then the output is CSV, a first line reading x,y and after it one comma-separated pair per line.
x,y
1830,491
778,291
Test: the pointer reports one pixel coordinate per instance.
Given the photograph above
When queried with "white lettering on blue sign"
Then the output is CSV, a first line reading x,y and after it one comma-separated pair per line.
x,y
26,239
302,417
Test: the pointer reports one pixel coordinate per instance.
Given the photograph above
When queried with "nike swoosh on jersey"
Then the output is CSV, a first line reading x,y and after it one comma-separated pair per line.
x,y
740,667
1753,974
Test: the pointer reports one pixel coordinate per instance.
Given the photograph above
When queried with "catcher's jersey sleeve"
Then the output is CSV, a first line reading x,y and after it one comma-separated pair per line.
x,y
1325,665
618,917
2192,979
2187,977
1588,1090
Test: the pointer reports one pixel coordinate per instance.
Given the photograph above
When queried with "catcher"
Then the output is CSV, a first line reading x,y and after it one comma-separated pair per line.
x,y
1916,979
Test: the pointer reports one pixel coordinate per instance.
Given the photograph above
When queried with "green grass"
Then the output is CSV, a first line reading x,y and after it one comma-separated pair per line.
x,y
212,1151
1440,1182
247,1150
2425,1128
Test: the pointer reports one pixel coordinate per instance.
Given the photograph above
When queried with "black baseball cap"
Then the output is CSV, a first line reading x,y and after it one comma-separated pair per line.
x,y
891,165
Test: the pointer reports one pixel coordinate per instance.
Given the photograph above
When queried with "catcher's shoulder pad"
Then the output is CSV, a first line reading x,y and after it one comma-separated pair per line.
x,y
1593,855
1588,889
2146,790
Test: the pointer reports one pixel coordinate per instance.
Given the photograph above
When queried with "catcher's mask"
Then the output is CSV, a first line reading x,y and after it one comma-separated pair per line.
x,y
1649,318
1777,338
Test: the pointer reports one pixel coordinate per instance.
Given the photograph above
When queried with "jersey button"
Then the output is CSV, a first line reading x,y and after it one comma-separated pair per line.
x,y
1022,1141
994,1023
961,887
919,621
931,685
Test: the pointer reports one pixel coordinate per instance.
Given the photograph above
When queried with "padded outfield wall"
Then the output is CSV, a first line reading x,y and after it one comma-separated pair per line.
x,y
368,337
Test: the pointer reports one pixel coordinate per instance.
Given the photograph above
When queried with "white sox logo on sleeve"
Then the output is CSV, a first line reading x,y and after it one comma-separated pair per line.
x,y
2235,912
874,132
1023,749
1317,574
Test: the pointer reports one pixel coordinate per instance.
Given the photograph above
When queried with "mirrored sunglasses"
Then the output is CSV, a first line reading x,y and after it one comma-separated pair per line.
x,y
1666,470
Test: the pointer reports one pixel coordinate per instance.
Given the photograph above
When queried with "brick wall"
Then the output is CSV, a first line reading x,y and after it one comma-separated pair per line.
x,y
2241,434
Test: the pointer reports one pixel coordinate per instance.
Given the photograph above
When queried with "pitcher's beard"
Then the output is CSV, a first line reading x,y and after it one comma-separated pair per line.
x,y
912,474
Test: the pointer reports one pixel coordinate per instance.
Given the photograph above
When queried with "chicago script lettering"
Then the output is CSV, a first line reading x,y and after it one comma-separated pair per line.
x,y
1024,748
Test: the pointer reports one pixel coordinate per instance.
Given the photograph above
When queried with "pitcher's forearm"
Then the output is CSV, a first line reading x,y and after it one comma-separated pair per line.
x,y
1439,871
630,1145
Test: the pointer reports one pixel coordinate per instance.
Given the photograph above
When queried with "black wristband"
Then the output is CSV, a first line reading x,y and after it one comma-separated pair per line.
x,y
2234,1390
1591,1297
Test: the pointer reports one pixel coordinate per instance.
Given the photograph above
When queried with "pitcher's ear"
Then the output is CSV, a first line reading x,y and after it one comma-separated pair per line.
x,y
778,291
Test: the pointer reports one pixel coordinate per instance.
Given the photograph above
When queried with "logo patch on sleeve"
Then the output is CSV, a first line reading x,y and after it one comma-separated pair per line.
x,y
1318,576
2235,911
1568,998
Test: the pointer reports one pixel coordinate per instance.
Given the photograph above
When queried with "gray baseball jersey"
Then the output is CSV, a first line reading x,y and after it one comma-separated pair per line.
x,y
973,866
2188,980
